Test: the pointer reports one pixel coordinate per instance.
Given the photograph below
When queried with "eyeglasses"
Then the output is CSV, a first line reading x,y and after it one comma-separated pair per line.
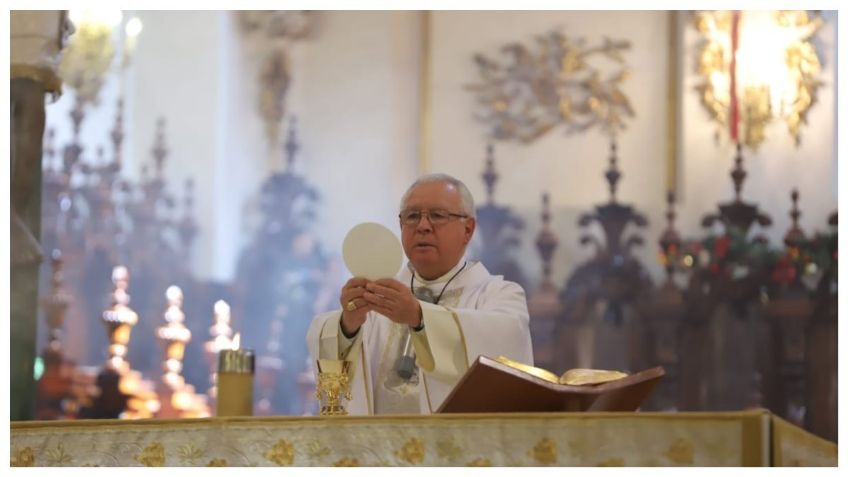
x,y
436,217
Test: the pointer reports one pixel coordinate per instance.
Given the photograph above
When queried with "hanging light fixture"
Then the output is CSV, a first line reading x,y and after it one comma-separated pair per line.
x,y
757,67
91,50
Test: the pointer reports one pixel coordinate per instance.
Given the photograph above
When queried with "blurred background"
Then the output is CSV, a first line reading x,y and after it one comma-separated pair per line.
x,y
661,183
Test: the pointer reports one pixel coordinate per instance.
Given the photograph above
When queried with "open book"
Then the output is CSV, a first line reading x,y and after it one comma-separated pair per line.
x,y
503,385
572,377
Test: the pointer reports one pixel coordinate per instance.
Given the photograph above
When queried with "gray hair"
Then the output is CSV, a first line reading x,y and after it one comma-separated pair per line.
x,y
464,194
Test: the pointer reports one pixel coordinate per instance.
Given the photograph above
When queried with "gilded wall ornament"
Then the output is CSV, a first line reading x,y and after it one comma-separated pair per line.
x,y
90,55
152,456
756,67
274,81
274,32
276,24
58,457
544,452
681,452
281,453
412,452
553,81
22,457
88,58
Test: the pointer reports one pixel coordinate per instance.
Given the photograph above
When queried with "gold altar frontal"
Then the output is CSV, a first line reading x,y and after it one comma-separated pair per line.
x,y
746,438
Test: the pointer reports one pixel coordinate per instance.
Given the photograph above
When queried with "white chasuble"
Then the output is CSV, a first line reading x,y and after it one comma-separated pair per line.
x,y
477,314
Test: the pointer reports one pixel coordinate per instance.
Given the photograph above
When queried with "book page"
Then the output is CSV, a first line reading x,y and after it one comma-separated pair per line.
x,y
583,376
572,377
538,372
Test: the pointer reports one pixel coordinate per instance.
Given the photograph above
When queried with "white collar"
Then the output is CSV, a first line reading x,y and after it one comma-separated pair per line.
x,y
447,276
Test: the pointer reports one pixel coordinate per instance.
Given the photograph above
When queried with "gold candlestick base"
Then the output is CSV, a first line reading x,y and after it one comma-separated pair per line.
x,y
333,385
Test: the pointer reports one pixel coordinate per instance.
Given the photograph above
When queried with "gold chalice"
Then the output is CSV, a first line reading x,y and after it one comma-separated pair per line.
x,y
333,385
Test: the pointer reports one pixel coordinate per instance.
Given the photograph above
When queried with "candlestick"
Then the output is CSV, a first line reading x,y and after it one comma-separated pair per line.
x,y
119,320
235,382
221,339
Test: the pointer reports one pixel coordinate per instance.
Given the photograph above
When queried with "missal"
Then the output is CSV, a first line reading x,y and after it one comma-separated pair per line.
x,y
503,385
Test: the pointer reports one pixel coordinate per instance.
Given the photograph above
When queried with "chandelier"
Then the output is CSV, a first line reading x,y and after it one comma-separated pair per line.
x,y
91,50
758,67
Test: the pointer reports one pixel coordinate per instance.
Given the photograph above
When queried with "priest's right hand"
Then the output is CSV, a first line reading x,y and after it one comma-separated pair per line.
x,y
352,292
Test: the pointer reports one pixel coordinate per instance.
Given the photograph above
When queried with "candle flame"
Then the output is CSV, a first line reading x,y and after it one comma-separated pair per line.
x,y
236,341
221,307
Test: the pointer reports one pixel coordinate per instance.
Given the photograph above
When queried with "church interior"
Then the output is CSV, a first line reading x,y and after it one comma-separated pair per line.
x,y
662,184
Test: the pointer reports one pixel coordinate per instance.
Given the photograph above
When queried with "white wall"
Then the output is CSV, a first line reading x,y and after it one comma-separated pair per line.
x,y
355,91
571,168
178,67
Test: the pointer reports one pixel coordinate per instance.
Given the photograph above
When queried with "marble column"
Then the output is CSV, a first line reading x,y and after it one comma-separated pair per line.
x,y
37,38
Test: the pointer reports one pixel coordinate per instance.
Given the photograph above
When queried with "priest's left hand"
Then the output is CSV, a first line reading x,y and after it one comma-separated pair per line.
x,y
393,300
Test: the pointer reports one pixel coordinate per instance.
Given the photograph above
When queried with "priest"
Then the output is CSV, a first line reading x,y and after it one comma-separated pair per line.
x,y
412,337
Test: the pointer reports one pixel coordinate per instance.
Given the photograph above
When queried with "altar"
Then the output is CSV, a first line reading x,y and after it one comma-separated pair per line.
x,y
744,438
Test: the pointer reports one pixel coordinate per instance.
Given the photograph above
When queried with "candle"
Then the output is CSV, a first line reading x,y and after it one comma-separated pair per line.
x,y
235,381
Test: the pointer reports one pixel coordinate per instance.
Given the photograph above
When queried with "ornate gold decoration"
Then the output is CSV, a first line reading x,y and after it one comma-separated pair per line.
x,y
173,335
189,453
23,457
447,449
346,462
711,439
333,385
777,70
479,462
58,456
88,56
282,453
315,449
119,320
275,30
681,452
152,455
217,463
544,452
276,24
274,81
549,83
412,451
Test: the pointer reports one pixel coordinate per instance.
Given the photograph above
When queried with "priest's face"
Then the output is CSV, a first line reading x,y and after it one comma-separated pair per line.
x,y
433,249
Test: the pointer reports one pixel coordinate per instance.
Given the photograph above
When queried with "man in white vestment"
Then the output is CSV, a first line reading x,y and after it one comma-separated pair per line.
x,y
411,338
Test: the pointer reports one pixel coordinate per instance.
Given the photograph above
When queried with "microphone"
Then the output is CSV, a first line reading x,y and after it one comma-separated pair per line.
x,y
405,364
